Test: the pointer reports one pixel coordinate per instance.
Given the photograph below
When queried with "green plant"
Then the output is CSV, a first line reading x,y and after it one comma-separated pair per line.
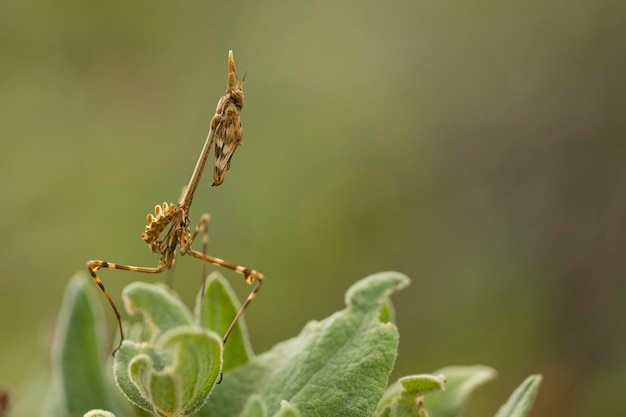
x,y
173,360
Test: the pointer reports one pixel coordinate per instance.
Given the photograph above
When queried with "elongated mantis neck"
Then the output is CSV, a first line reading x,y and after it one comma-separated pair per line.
x,y
233,90
185,200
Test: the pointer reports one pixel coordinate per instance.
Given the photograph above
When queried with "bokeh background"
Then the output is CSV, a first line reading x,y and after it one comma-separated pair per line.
x,y
477,147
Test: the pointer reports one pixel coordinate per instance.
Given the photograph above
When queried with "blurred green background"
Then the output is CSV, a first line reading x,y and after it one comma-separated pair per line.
x,y
477,147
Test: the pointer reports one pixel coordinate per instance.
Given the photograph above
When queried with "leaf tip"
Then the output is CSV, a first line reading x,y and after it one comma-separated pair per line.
x,y
375,288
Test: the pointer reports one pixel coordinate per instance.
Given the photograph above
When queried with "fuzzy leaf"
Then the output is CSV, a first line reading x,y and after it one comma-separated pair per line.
x,y
78,378
287,410
159,307
461,382
219,307
129,351
387,312
255,407
99,413
336,367
174,371
522,399
404,398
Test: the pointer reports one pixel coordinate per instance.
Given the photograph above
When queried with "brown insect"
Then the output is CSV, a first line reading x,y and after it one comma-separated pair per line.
x,y
227,124
226,130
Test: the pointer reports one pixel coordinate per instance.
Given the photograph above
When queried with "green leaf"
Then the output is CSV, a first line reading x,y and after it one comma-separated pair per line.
x,y
78,378
255,407
216,311
99,413
173,372
461,383
176,376
336,367
522,399
387,312
404,398
124,356
287,410
416,385
159,307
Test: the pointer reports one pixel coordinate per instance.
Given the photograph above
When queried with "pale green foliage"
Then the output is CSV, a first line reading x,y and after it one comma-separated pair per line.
x,y
255,407
522,399
99,413
216,314
404,397
287,410
79,377
445,395
335,367
171,362
461,383
172,371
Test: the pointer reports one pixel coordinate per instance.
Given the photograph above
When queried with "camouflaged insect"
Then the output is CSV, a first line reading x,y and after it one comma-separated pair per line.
x,y
226,124
167,231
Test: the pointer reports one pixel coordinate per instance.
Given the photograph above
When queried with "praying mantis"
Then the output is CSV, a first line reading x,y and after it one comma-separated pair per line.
x,y
225,130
